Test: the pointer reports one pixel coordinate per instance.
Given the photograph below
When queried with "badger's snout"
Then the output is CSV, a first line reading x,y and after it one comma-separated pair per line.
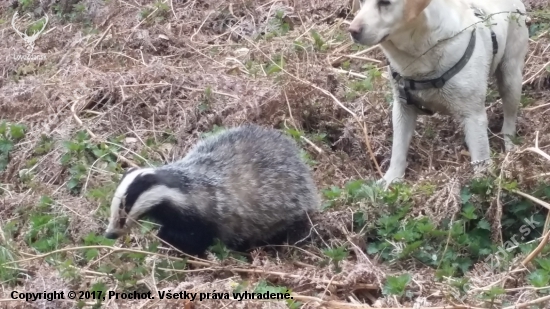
x,y
111,235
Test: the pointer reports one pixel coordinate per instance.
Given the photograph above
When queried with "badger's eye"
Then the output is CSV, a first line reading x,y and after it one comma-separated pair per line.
x,y
122,217
384,2
122,211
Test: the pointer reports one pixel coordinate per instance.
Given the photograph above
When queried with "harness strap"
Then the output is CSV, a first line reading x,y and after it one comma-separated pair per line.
x,y
405,84
479,13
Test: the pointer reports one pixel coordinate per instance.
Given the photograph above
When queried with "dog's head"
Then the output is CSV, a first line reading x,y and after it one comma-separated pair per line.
x,y
378,19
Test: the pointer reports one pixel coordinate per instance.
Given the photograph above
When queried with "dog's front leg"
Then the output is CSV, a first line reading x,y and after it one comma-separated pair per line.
x,y
477,139
404,122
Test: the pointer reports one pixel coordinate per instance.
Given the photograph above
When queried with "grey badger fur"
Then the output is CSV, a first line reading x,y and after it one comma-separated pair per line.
x,y
246,186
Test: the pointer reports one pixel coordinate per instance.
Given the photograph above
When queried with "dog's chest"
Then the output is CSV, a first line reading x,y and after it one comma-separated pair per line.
x,y
434,100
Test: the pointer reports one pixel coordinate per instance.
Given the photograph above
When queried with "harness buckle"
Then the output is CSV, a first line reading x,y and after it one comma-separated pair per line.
x,y
439,83
404,94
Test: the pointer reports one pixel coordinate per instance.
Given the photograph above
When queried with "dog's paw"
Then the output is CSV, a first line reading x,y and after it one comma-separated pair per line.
x,y
386,181
381,183
481,168
509,146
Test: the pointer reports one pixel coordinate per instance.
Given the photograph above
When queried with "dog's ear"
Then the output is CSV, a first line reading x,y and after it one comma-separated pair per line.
x,y
413,8
355,6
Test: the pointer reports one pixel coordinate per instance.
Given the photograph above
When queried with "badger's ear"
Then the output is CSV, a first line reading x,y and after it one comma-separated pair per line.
x,y
129,170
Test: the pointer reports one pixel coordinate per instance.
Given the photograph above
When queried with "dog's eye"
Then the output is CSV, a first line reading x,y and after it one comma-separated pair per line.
x,y
384,3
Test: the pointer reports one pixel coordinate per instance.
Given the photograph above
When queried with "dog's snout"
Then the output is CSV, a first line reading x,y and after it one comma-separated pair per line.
x,y
355,31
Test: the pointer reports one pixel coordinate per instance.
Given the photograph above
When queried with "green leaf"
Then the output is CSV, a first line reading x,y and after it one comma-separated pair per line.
x,y
317,39
468,211
411,248
539,278
372,248
494,292
17,131
336,254
5,146
72,146
332,193
360,219
3,128
484,224
3,162
465,195
544,263
91,254
73,183
396,285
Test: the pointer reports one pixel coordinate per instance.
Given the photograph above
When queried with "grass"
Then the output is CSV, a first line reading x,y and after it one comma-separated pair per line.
x,y
167,81
10,133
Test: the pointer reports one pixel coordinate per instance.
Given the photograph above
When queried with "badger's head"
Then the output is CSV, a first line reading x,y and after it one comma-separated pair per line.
x,y
139,190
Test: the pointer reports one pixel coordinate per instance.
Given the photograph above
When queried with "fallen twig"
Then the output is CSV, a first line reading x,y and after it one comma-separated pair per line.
x,y
349,73
536,149
338,60
539,72
341,305
537,250
114,249
97,43
356,286
529,303
536,107
532,198
211,266
361,124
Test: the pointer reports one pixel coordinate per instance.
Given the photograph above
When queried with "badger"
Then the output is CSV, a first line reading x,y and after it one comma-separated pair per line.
x,y
246,186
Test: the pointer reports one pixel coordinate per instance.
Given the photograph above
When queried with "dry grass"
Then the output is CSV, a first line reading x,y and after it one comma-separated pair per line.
x,y
156,76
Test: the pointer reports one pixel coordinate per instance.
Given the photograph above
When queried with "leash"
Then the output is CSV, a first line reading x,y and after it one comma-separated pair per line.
x,y
405,85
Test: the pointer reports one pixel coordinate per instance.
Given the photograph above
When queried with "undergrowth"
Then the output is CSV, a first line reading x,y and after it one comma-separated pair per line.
x,y
10,134
91,170
456,244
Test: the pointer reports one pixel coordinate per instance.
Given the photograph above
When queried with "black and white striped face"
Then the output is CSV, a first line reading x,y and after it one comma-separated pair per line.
x,y
134,196
140,190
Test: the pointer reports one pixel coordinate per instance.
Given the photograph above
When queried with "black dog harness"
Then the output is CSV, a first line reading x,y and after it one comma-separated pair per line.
x,y
405,85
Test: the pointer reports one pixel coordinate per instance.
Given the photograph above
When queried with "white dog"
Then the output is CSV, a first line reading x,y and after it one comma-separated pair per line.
x,y
441,54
